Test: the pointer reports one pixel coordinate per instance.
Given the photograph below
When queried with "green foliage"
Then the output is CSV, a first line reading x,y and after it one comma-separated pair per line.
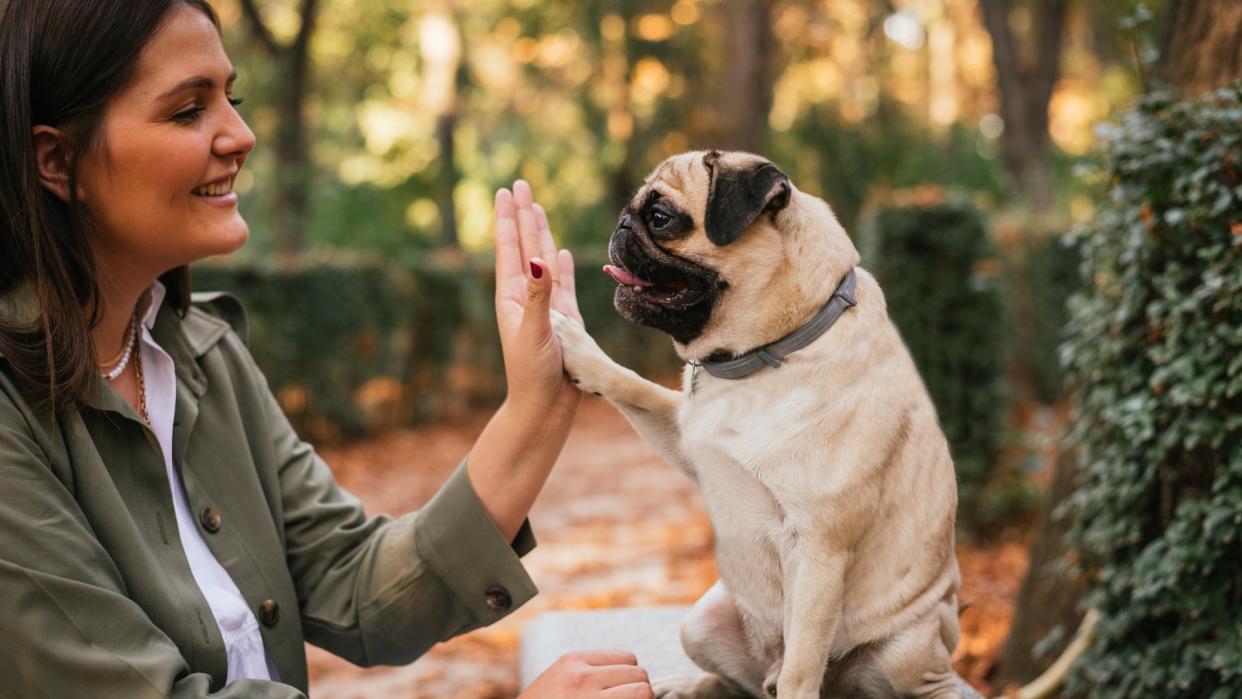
x,y
352,347
846,163
932,262
1156,357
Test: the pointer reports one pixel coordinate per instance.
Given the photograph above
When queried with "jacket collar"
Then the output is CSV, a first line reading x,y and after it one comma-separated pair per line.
x,y
185,339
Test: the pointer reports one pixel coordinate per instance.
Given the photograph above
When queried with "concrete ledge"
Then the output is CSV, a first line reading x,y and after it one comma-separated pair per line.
x,y
651,633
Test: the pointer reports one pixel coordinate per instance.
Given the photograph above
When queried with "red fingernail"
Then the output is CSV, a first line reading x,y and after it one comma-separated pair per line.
x,y
535,270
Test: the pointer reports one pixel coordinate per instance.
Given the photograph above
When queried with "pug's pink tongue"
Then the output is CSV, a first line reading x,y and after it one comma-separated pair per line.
x,y
625,277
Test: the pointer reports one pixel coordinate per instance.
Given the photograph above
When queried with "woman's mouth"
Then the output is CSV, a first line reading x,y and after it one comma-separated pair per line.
x,y
219,193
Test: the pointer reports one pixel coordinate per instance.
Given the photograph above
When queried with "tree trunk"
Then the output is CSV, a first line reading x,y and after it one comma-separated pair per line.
x,y
292,161
1201,44
1025,92
292,153
447,180
440,47
748,81
1049,595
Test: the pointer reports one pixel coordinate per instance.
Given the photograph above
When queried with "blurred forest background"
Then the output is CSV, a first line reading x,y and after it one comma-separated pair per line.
x,y
386,126
1018,173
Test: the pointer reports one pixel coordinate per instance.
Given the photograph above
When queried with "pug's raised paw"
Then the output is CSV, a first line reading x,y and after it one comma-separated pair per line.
x,y
587,365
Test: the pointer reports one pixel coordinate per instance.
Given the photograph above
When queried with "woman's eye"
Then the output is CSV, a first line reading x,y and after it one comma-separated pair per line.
x,y
236,101
188,115
659,219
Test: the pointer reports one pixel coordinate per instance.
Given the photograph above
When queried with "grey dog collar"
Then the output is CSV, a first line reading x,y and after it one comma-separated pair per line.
x,y
773,354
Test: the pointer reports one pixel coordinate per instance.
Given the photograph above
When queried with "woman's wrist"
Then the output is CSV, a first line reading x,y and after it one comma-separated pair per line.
x,y
543,410
539,416
512,458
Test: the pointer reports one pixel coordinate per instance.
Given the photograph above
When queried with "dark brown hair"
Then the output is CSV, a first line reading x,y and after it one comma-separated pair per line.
x,y
61,61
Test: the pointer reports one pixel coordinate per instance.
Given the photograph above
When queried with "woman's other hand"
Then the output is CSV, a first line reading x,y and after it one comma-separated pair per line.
x,y
531,276
590,674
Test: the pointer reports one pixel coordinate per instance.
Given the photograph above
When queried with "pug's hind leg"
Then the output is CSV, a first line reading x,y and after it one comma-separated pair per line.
x,y
714,637
917,661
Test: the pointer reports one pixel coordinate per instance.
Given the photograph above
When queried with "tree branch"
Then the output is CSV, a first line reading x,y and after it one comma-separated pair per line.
x,y
259,28
1048,56
310,12
1048,683
1004,49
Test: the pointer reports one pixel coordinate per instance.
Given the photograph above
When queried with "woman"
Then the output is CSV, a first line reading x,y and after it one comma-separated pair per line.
x,y
163,531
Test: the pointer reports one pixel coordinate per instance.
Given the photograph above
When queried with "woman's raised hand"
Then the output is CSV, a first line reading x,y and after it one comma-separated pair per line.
x,y
531,277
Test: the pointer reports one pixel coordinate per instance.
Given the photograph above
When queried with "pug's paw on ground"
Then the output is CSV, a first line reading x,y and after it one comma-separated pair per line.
x,y
697,687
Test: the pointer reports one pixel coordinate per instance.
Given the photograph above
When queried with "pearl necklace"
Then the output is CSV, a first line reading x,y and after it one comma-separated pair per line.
x,y
131,334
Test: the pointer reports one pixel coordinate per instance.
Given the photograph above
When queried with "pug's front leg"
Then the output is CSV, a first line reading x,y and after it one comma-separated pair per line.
x,y
650,407
814,596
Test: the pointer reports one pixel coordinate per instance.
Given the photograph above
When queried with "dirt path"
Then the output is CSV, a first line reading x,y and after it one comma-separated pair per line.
x,y
616,527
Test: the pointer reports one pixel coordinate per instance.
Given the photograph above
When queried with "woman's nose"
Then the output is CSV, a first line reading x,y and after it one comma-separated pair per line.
x,y
235,138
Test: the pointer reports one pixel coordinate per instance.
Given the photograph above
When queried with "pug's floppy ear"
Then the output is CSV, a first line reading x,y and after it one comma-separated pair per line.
x,y
736,196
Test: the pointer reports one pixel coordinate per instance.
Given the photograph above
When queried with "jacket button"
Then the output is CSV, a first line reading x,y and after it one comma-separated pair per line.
x,y
269,612
210,519
498,598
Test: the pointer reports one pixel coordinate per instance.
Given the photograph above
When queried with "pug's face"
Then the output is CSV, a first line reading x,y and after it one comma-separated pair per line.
x,y
690,234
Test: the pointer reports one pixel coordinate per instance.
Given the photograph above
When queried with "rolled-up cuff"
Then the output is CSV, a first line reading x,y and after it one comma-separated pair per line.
x,y
460,543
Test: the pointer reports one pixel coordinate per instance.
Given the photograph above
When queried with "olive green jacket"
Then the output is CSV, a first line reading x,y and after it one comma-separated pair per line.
x,y
96,596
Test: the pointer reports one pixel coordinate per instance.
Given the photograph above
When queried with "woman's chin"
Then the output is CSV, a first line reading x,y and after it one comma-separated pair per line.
x,y
226,240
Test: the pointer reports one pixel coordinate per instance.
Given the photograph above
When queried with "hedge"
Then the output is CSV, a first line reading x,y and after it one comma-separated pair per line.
x,y
331,338
935,263
1155,356
355,346
1040,275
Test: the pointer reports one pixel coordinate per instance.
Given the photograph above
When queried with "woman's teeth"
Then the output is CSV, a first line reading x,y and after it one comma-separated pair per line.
x,y
215,190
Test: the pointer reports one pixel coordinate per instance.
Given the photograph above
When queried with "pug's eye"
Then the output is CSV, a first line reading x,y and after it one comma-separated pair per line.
x,y
659,219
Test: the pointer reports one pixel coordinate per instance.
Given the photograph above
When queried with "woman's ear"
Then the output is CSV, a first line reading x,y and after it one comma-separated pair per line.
x,y
52,161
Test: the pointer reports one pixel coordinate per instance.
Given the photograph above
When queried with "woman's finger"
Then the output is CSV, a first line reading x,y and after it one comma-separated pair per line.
x,y
528,231
617,675
607,657
535,323
547,248
569,289
638,690
508,248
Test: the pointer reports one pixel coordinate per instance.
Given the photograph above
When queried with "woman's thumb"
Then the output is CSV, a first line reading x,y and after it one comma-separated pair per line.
x,y
538,298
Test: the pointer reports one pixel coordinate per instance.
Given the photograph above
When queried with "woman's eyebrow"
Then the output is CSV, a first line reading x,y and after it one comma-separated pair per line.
x,y
202,82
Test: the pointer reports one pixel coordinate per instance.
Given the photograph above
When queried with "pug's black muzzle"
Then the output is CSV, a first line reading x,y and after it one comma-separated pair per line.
x,y
680,294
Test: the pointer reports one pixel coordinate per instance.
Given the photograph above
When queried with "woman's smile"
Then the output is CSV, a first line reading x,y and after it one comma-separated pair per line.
x,y
218,192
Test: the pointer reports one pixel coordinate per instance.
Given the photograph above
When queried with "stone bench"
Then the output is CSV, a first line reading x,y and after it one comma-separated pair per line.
x,y
650,633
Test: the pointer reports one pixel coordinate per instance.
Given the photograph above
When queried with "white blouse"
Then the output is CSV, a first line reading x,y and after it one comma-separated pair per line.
x,y
243,641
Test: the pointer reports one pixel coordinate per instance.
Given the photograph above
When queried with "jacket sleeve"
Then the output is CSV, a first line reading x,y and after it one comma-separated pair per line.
x,y
383,590
71,630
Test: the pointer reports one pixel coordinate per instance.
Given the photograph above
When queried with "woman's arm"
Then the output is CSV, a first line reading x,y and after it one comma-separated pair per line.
x,y
514,455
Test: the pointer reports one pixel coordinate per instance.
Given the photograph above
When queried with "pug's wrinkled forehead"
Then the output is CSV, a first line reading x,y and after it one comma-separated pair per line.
x,y
722,192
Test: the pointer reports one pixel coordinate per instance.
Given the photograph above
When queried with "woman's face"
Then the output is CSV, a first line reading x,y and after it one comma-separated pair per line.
x,y
160,184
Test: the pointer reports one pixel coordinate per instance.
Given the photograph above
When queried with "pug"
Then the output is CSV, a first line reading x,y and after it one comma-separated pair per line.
x,y
807,428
